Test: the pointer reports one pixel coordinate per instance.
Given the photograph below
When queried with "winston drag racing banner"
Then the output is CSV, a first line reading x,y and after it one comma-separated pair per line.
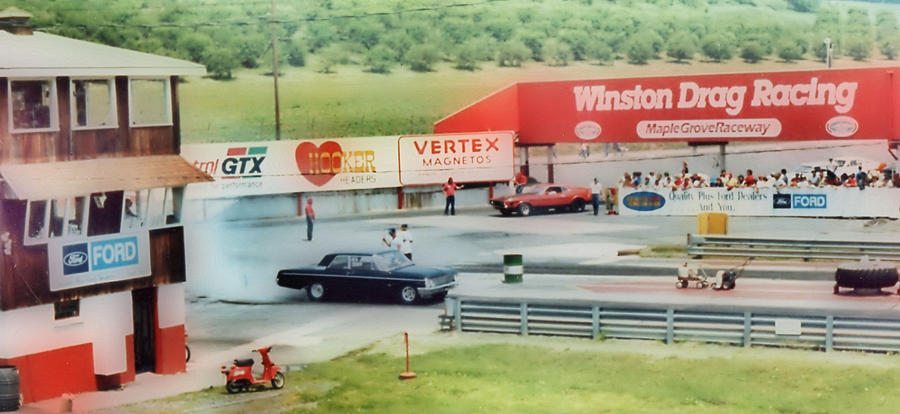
x,y
796,202
280,167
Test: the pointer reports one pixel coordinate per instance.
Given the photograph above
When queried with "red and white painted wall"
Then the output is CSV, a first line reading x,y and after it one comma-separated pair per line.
x,y
92,351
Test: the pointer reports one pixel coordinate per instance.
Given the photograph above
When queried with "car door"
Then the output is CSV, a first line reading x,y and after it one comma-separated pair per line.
x,y
363,276
336,273
554,196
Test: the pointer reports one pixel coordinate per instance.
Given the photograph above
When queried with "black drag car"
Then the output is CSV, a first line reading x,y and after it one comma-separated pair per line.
x,y
369,272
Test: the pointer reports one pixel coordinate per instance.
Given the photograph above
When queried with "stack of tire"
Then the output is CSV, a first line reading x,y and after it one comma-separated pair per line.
x,y
865,275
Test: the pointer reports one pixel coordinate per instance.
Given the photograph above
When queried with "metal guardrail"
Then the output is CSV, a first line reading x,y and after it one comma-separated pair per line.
x,y
715,245
815,330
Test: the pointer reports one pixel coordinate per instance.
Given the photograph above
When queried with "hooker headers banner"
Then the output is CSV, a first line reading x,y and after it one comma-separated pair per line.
x,y
800,105
797,202
278,167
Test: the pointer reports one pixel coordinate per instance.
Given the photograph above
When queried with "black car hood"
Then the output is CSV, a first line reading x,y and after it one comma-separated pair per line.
x,y
422,272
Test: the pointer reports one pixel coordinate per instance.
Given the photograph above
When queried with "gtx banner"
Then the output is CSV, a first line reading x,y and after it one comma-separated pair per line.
x,y
788,106
796,202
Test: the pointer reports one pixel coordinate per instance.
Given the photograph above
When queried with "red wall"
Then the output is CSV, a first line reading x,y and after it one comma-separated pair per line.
x,y
496,112
169,350
53,373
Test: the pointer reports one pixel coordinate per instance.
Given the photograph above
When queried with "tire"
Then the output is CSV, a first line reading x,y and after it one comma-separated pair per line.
x,y
525,209
578,205
187,354
316,291
232,387
408,295
860,275
681,284
278,381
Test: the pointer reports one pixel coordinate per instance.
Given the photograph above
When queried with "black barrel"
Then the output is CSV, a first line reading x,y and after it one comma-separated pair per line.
x,y
9,388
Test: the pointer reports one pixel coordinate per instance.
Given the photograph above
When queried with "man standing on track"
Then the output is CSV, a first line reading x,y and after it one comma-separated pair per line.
x,y
310,218
450,192
406,241
596,190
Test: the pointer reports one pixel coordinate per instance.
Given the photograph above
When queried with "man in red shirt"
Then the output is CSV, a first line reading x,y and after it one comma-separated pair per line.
x,y
310,218
521,180
450,193
749,180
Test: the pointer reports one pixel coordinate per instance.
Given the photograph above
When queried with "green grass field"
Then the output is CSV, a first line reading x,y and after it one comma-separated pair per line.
x,y
354,103
553,375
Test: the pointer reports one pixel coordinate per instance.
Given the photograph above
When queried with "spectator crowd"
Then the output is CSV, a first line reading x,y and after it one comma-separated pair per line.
x,y
815,178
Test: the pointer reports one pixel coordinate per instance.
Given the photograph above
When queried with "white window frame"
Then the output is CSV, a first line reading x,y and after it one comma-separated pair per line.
x,y
168,99
113,110
54,107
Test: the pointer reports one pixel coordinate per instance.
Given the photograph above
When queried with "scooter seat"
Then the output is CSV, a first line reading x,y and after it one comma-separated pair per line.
x,y
243,362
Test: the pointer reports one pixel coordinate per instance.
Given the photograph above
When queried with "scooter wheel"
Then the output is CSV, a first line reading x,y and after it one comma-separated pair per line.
x,y
232,387
278,381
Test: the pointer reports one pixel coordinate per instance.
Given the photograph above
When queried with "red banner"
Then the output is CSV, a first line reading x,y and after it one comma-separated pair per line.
x,y
782,106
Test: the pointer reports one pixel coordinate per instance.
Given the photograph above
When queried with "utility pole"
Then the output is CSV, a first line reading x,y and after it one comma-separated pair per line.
x,y
275,72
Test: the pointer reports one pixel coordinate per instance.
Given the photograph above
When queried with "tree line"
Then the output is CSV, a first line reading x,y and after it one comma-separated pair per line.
x,y
379,36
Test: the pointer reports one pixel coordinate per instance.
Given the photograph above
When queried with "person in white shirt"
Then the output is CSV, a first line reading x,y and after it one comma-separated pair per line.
x,y
596,191
406,241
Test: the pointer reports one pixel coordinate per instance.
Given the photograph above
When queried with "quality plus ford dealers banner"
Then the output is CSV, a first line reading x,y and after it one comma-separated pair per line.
x,y
279,167
797,202
787,106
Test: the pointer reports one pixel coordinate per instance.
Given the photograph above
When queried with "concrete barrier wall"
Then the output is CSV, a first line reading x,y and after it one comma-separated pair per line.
x,y
331,204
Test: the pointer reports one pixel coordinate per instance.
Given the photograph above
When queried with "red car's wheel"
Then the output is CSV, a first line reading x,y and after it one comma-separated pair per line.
x,y
525,209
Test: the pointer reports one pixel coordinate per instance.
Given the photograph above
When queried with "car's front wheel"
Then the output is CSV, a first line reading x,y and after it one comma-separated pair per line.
x,y
409,295
316,292
525,209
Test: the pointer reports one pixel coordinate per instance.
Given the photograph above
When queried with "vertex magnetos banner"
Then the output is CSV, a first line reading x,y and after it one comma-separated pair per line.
x,y
784,106
432,159
275,167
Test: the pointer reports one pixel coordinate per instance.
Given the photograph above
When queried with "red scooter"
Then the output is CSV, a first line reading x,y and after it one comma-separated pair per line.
x,y
240,378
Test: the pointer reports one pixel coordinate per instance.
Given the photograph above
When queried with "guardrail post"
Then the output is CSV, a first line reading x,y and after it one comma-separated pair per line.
x,y
748,328
670,325
523,315
829,333
595,322
457,313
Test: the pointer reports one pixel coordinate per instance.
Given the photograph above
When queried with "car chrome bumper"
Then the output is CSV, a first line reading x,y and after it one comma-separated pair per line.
x,y
427,292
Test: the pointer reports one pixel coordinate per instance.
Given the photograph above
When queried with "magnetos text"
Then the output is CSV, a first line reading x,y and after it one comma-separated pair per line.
x,y
730,98
458,151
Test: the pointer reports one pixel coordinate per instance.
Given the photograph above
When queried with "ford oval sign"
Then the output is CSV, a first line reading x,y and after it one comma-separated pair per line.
x,y
841,126
75,259
644,201
587,130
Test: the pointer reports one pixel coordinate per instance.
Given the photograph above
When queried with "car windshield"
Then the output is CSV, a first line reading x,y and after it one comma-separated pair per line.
x,y
391,260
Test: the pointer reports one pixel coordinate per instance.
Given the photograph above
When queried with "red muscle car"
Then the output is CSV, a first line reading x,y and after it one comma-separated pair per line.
x,y
543,197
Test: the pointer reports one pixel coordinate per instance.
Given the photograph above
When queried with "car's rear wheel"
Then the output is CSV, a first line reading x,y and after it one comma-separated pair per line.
x,y
316,292
408,295
578,205
525,209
